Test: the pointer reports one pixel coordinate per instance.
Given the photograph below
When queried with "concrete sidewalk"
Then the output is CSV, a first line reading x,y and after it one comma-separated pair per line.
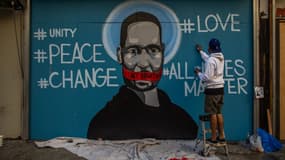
x,y
27,150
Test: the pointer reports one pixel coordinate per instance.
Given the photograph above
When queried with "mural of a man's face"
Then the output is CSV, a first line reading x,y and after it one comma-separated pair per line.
x,y
142,55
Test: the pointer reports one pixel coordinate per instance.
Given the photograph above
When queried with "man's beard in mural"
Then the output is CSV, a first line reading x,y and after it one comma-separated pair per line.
x,y
142,80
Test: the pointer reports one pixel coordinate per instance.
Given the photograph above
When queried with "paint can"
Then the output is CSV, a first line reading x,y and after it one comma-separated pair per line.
x,y
1,140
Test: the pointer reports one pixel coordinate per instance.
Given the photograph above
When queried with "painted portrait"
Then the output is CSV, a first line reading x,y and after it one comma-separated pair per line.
x,y
140,109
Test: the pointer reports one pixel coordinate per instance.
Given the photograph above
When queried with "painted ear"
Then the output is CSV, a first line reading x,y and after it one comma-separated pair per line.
x,y
162,47
119,55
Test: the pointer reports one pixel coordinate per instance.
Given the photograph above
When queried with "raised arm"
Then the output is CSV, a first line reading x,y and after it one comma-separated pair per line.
x,y
203,54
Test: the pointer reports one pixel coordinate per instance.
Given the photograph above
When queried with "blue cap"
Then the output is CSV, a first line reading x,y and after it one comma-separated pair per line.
x,y
215,45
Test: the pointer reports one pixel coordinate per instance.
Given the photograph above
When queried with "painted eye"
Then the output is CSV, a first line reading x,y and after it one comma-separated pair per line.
x,y
133,50
154,51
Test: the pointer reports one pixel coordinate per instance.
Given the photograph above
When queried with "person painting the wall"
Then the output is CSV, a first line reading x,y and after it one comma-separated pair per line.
x,y
213,79
140,109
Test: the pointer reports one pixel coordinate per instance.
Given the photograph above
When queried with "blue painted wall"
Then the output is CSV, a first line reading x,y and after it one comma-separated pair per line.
x,y
71,41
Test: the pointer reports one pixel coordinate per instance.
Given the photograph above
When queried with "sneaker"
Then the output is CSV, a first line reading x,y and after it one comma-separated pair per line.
x,y
222,140
212,141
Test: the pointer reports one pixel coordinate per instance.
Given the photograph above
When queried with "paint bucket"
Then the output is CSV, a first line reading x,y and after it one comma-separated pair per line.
x,y
1,140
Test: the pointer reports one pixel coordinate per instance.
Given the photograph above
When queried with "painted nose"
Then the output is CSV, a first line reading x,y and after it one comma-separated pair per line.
x,y
143,60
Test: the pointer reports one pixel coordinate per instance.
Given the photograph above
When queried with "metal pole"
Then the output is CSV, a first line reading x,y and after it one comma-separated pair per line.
x,y
256,61
26,62
274,75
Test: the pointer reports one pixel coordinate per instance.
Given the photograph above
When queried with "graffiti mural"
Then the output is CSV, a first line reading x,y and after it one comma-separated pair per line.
x,y
125,69
140,109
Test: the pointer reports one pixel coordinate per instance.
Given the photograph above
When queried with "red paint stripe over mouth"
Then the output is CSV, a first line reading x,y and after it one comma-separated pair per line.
x,y
146,76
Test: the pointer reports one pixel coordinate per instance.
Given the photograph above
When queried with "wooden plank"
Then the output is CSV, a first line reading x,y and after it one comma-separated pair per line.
x,y
282,80
269,122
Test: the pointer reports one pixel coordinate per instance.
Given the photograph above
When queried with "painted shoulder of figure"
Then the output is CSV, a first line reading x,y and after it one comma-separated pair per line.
x,y
124,95
163,95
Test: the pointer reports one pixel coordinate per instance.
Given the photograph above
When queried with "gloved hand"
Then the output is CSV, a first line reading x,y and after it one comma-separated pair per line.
x,y
198,47
197,69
